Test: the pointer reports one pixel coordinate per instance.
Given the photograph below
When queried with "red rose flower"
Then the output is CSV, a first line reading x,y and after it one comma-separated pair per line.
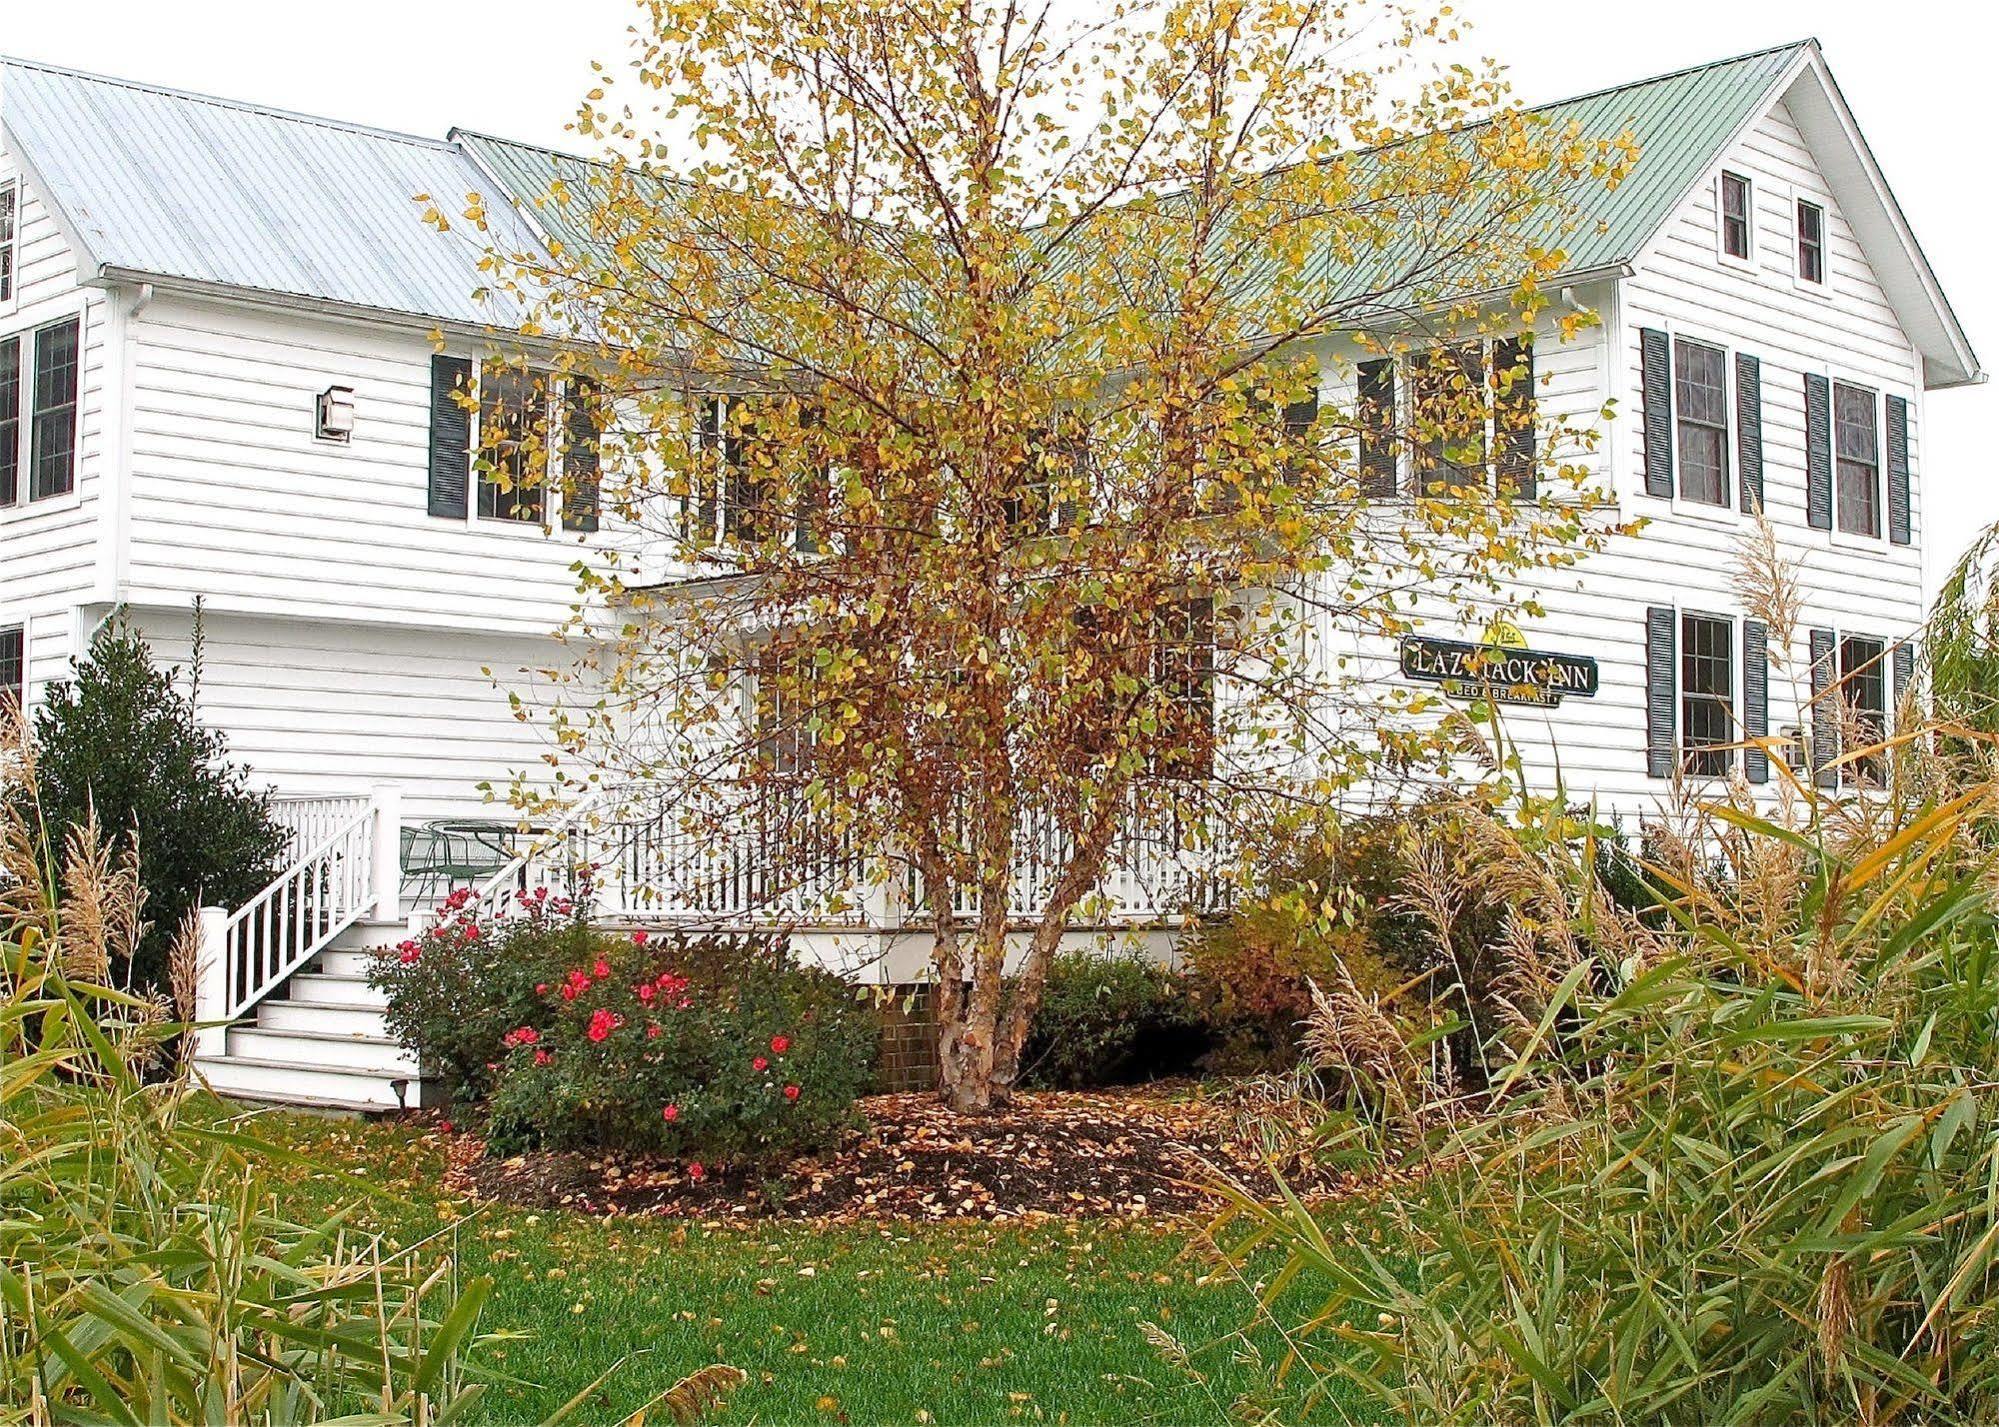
x,y
602,968
638,938
791,1092
541,988
696,1172
568,992
759,1064
652,1032
780,1044
602,1023
646,991
670,1113
542,1057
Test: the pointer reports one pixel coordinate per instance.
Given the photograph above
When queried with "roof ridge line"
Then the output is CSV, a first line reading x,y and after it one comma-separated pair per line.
x,y
219,101
1808,43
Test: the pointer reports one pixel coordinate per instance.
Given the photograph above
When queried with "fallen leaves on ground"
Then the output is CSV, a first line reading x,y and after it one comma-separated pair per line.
x,y
1062,1154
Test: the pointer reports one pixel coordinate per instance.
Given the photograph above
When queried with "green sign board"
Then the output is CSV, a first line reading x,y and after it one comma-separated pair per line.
x,y
1499,672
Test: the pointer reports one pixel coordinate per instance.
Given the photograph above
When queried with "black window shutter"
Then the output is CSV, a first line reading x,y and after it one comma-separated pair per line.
x,y
1661,689
1377,429
1905,669
1755,698
1514,412
1898,471
1749,429
1825,713
582,460
450,437
1818,451
1656,381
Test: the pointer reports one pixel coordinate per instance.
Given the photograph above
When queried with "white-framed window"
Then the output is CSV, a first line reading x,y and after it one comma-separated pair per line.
x,y
1446,387
10,227
40,375
1856,451
1811,242
13,666
1735,206
1707,690
1700,420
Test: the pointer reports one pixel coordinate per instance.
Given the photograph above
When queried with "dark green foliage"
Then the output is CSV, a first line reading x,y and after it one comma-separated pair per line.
x,y
122,736
1111,1020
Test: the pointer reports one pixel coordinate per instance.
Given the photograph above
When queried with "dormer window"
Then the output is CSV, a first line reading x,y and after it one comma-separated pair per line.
x,y
1811,242
1735,216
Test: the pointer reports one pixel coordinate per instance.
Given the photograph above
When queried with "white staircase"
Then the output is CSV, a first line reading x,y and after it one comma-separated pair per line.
x,y
286,1010
318,1040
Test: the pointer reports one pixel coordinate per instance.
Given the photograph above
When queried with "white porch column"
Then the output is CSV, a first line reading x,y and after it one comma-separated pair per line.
x,y
386,877
211,984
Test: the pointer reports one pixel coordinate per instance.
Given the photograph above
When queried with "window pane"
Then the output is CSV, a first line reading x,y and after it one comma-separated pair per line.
x,y
1183,669
1700,397
1735,215
10,420
1863,682
1856,445
1707,694
53,469
513,442
1448,392
1811,242
7,202
13,667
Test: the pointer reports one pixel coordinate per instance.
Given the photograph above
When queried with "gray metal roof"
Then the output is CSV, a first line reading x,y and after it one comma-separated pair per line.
x,y
176,185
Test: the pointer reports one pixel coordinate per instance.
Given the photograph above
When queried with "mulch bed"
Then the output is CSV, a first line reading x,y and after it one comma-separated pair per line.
x,y
1140,1153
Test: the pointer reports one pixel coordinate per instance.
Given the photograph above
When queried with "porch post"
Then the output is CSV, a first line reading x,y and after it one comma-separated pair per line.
x,y
211,984
386,876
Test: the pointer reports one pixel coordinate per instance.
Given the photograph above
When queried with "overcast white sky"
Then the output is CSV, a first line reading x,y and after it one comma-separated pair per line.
x,y
1917,76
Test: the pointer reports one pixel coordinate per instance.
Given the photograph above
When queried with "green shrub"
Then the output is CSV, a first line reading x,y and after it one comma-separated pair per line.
x,y
708,1050
1741,1156
122,737
1111,1020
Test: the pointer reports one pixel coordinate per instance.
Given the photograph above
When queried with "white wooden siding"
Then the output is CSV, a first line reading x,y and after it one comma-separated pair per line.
x,y
234,499
48,548
320,706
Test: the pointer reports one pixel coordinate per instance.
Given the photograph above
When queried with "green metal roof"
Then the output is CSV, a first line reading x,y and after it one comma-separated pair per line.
x,y
1680,121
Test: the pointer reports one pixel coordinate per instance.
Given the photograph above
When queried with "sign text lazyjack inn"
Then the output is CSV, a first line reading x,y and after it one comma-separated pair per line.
x,y
1499,672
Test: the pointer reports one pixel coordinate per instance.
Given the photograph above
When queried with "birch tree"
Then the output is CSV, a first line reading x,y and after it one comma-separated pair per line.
x,y
994,426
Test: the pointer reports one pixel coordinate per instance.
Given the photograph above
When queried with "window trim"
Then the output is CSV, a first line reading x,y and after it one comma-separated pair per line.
x,y
24,502
1403,414
10,245
1822,284
1747,258
1683,750
1682,502
551,443
1856,539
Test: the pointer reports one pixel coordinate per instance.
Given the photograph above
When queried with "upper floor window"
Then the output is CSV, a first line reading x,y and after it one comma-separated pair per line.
x,y
13,667
1735,215
1700,402
1856,448
1707,694
513,442
1811,242
9,204
38,396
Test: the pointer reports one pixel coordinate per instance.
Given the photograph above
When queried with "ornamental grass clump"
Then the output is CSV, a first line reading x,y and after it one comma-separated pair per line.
x,y
146,1274
1739,1160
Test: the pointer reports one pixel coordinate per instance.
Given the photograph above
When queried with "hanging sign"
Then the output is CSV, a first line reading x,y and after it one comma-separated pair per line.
x,y
1504,673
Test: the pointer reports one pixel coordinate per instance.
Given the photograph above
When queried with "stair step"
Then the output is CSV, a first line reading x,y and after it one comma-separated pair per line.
x,y
343,961
284,1082
321,1051
337,989
369,934
298,1013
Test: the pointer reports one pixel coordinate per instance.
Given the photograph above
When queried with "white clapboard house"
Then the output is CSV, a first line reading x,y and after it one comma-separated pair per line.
x,y
220,382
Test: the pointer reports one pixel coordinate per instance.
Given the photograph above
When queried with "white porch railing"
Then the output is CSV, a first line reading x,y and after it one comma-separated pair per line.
x,y
350,870
750,864
312,818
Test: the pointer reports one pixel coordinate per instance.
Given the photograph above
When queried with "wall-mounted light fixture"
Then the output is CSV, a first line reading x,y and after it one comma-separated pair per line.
x,y
334,414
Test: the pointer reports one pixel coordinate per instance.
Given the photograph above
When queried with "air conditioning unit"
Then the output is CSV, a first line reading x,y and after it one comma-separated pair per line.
x,y
334,418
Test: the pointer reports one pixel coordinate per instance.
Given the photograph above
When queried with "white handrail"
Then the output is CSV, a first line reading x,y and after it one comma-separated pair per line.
x,y
311,818
516,874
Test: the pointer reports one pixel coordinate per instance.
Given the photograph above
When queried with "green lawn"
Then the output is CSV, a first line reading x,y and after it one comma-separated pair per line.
x,y
867,1323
